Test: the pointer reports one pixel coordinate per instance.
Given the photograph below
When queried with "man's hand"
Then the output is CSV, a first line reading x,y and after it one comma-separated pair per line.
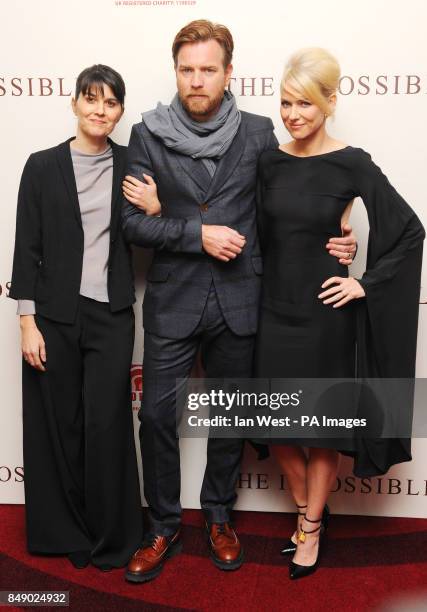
x,y
142,195
32,343
222,242
344,248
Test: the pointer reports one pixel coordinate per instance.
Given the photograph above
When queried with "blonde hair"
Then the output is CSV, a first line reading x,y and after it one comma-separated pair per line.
x,y
315,73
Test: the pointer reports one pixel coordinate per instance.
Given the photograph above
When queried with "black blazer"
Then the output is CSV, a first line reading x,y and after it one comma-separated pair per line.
x,y
48,258
181,272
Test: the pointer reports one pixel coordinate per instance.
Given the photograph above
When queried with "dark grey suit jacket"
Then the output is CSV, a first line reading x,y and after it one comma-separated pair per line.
x,y
180,276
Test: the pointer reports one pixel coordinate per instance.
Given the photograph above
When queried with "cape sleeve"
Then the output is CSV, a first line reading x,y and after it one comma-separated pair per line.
x,y
388,316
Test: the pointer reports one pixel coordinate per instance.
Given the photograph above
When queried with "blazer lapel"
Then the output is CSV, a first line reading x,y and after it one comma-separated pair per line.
x,y
228,162
66,167
116,190
196,170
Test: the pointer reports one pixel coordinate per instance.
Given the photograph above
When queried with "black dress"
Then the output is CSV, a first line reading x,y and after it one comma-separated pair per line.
x,y
300,204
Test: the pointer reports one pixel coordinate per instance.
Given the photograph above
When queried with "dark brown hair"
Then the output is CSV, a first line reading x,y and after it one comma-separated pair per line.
x,y
98,75
202,30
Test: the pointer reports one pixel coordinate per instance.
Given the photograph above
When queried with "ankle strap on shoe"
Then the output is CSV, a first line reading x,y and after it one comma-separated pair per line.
x,y
303,532
301,513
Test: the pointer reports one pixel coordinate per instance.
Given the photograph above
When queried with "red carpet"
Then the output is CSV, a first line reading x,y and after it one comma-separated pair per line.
x,y
366,562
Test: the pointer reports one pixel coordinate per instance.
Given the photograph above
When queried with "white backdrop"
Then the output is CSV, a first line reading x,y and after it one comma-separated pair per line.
x,y
381,48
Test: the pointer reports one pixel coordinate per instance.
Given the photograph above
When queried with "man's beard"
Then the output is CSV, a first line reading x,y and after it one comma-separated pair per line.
x,y
202,108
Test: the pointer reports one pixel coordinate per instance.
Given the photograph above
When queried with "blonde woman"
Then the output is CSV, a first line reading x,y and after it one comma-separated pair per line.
x,y
310,303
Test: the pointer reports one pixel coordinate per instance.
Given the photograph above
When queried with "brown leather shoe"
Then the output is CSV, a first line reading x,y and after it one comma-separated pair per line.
x,y
225,549
148,561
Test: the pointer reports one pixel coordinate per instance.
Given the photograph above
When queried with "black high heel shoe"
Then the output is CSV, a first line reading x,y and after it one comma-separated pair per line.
x,y
290,546
301,571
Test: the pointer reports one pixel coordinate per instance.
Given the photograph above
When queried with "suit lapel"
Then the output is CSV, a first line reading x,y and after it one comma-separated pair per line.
x,y
66,166
228,162
196,170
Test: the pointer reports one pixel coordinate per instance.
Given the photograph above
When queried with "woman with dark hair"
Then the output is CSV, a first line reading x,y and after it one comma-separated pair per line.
x,y
72,277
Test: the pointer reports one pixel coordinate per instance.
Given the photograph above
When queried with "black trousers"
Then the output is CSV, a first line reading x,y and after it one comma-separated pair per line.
x,y
81,479
224,355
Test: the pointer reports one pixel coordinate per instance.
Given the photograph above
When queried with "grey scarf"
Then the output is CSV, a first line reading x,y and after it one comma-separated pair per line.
x,y
206,140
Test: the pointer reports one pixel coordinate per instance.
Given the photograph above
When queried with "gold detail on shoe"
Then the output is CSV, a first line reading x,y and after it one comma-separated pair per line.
x,y
301,536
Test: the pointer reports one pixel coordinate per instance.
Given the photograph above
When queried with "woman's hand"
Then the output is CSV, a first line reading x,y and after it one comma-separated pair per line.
x,y
344,290
142,195
32,343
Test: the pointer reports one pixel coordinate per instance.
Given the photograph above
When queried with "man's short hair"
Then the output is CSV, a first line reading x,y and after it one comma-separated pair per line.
x,y
202,30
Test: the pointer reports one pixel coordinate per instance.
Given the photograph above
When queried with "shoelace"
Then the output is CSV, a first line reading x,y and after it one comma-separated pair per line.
x,y
150,540
222,531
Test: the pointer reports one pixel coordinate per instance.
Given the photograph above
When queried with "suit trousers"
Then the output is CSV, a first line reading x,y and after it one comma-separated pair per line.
x,y
224,355
81,477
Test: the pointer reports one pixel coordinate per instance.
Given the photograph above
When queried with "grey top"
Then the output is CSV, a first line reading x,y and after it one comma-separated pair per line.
x,y
94,180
